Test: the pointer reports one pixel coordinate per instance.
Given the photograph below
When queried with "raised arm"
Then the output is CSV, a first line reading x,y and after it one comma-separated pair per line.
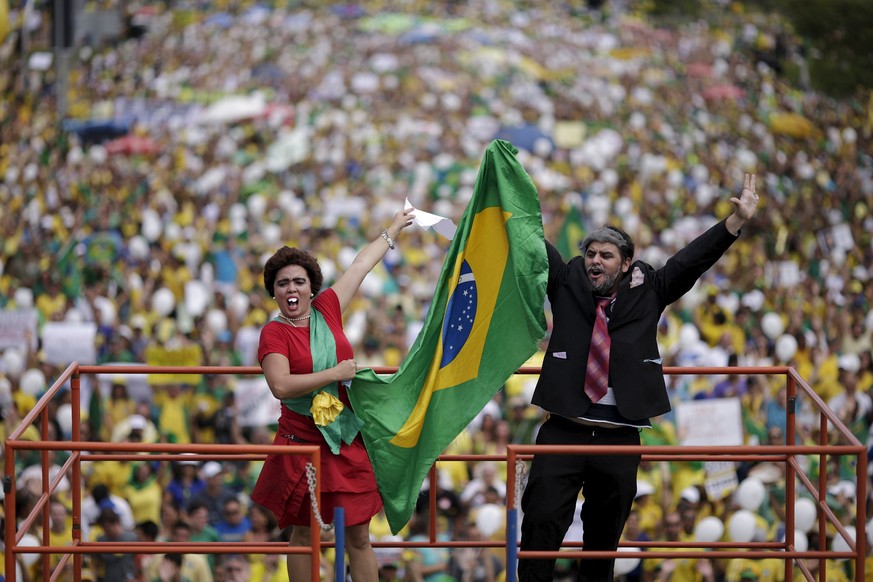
x,y
744,206
349,282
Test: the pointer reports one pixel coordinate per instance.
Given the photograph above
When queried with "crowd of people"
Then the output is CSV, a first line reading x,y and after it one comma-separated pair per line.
x,y
140,217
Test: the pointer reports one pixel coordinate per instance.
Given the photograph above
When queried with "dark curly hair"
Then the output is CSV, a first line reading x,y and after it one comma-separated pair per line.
x,y
288,256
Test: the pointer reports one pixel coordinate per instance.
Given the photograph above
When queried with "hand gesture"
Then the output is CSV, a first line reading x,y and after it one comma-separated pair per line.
x,y
746,205
402,219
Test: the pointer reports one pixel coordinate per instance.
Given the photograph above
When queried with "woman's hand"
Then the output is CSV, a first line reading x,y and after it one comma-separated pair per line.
x,y
402,219
346,370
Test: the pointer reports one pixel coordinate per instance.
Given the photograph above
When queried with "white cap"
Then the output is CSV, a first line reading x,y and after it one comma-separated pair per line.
x,y
137,422
690,494
849,362
211,469
644,488
846,488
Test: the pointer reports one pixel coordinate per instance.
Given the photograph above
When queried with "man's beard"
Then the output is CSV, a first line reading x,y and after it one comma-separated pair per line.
x,y
604,287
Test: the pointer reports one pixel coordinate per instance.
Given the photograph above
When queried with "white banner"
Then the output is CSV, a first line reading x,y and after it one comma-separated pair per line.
x,y
256,405
18,329
710,422
65,342
721,479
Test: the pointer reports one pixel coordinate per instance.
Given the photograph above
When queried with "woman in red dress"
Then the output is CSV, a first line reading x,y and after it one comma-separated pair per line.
x,y
306,360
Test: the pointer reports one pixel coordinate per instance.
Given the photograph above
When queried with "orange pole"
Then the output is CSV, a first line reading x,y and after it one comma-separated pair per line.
x,y
46,508
9,505
790,492
822,493
315,528
861,518
76,395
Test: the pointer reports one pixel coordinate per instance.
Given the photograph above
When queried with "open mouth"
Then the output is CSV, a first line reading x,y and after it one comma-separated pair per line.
x,y
293,301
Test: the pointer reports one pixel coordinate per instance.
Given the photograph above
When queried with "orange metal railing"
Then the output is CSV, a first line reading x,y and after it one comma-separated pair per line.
x,y
787,454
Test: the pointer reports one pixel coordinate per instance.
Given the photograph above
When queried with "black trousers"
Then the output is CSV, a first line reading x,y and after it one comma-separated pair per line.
x,y
608,483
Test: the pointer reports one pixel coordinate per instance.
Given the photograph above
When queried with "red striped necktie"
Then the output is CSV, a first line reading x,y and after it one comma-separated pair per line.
x,y
597,374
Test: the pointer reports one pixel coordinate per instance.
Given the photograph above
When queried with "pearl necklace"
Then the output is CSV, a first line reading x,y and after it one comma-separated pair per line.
x,y
291,320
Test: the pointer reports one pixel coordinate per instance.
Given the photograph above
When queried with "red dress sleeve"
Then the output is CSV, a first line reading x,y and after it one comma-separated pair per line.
x,y
273,340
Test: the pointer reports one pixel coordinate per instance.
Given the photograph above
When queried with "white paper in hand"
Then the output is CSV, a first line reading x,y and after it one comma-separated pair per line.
x,y
425,220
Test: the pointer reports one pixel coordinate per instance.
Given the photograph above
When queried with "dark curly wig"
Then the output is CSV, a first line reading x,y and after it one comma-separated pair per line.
x,y
288,256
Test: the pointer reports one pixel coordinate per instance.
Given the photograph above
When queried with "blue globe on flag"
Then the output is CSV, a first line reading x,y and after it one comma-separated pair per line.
x,y
460,315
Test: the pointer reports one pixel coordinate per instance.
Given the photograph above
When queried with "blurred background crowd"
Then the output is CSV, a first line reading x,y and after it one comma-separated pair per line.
x,y
149,168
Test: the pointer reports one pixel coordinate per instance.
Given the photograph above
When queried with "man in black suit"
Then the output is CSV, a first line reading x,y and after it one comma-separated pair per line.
x,y
606,309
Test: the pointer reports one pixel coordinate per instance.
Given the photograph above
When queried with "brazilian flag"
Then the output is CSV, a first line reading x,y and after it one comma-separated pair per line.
x,y
572,233
4,19
484,323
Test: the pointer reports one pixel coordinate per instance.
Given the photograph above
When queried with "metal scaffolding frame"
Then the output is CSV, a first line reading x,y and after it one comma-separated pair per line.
x,y
16,526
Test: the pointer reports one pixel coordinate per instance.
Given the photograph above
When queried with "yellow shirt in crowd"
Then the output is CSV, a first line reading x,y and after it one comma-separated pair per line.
x,y
145,502
113,474
173,418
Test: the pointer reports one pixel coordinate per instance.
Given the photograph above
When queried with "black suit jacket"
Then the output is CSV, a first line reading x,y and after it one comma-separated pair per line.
x,y
635,371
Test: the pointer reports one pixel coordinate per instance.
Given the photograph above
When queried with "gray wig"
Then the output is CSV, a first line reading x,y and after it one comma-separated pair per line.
x,y
610,234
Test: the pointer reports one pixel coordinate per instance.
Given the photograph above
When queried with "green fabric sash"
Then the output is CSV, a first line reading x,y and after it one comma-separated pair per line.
x,y
322,346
